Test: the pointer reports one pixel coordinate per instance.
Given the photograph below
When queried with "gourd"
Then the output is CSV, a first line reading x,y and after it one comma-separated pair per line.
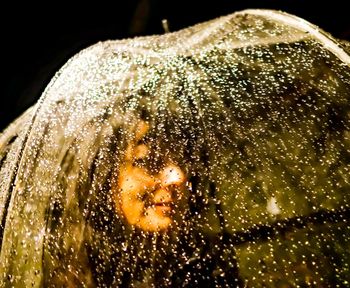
x,y
236,135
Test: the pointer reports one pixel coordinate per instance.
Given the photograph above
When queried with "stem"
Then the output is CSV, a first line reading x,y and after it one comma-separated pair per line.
x,y
165,25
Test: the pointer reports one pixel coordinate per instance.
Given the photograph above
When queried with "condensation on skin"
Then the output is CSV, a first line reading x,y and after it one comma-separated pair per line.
x,y
136,184
216,156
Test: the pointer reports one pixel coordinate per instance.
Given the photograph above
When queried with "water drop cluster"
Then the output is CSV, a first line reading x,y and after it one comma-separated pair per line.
x,y
216,156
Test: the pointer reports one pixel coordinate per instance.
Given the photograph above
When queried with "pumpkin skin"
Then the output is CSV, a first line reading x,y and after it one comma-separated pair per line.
x,y
252,107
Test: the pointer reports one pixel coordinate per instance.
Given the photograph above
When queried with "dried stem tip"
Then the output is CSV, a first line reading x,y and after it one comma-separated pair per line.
x,y
165,25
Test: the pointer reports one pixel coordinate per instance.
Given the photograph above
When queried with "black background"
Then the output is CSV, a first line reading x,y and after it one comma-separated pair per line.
x,y
38,39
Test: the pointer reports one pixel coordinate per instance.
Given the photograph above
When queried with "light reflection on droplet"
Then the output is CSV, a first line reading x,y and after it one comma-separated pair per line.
x,y
217,156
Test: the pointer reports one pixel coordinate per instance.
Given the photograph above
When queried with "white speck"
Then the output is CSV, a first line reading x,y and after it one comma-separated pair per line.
x,y
272,206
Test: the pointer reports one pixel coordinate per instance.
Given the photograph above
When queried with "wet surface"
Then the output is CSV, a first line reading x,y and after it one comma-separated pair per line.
x,y
216,156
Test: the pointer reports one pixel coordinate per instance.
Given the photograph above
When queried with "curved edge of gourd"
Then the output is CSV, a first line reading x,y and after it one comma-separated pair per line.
x,y
11,141
329,42
24,124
